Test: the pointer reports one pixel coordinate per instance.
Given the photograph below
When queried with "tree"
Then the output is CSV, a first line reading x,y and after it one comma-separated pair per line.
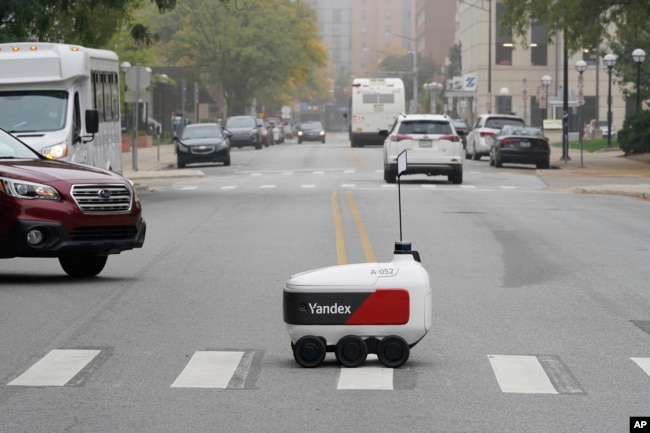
x,y
245,48
584,22
86,22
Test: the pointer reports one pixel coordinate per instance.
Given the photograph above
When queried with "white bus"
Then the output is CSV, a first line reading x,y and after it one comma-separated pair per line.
x,y
375,104
51,96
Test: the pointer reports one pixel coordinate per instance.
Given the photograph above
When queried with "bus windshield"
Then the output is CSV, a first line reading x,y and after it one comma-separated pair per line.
x,y
33,110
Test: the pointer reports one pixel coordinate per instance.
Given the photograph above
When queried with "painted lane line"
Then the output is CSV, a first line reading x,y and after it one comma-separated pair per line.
x,y
644,363
349,171
256,174
208,369
56,368
521,374
348,185
287,173
189,188
429,186
267,186
308,186
468,187
508,187
319,172
227,187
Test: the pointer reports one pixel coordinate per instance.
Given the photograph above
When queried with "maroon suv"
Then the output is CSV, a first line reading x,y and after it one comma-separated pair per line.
x,y
77,213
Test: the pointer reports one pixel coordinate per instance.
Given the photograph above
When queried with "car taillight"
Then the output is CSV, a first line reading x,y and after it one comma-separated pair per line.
x,y
454,138
507,142
540,143
487,134
400,137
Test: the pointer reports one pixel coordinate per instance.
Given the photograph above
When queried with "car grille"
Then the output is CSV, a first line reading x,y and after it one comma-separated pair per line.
x,y
103,233
104,199
202,150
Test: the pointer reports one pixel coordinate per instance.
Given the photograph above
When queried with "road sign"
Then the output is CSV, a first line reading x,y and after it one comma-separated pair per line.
x,y
137,77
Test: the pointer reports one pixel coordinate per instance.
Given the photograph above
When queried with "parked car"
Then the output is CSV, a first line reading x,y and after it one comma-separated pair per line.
x,y
244,131
76,213
288,129
311,131
202,142
478,143
266,138
600,125
463,129
432,144
274,132
520,145
279,137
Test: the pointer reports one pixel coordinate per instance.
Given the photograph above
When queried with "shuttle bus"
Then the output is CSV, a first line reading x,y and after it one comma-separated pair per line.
x,y
46,92
374,106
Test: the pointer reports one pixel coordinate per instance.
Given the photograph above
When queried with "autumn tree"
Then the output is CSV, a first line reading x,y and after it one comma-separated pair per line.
x,y
247,48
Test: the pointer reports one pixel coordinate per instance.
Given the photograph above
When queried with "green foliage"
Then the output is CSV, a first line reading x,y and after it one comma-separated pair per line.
x,y
92,23
585,23
635,135
247,48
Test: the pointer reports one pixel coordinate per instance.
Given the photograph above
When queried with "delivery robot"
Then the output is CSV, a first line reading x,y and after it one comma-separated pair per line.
x,y
357,309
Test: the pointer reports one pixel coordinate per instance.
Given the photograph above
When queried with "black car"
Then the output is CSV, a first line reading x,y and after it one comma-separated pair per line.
x,y
202,142
462,129
520,145
244,131
311,131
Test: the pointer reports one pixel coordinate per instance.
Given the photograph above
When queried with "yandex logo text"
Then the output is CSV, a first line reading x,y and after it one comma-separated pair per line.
x,y
330,309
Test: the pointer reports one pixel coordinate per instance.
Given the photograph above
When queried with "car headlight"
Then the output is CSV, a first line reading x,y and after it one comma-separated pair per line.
x,y
299,132
28,190
222,144
56,151
322,133
182,147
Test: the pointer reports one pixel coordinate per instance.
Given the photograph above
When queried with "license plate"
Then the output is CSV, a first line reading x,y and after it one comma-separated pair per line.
x,y
524,144
426,143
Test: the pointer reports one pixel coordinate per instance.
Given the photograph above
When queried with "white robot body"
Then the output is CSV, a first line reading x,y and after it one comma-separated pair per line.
x,y
353,310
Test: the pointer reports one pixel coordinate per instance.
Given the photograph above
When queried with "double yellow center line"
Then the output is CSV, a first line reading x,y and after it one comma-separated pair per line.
x,y
341,254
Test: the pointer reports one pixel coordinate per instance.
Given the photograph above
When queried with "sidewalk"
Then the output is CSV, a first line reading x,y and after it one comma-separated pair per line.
x,y
603,172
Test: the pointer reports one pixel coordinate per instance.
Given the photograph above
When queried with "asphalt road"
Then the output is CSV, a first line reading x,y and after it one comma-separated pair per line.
x,y
541,308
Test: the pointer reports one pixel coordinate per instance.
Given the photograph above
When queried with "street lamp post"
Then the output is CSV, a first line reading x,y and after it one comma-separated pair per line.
x,y
125,66
581,66
162,81
546,81
639,56
610,62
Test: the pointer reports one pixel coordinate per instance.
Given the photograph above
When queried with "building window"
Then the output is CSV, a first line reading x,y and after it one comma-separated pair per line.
x,y
504,104
538,46
503,38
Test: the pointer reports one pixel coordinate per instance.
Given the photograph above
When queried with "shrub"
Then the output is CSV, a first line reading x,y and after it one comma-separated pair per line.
x,y
635,135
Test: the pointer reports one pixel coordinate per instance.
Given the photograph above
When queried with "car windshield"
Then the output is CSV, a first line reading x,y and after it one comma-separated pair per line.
x,y
499,122
33,110
430,127
211,131
240,122
312,126
11,148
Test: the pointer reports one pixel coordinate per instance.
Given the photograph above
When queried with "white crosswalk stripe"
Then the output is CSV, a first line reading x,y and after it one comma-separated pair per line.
x,y
209,369
644,363
366,378
521,374
56,368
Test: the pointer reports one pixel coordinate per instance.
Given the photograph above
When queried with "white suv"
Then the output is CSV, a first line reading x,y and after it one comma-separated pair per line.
x,y
479,139
432,144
